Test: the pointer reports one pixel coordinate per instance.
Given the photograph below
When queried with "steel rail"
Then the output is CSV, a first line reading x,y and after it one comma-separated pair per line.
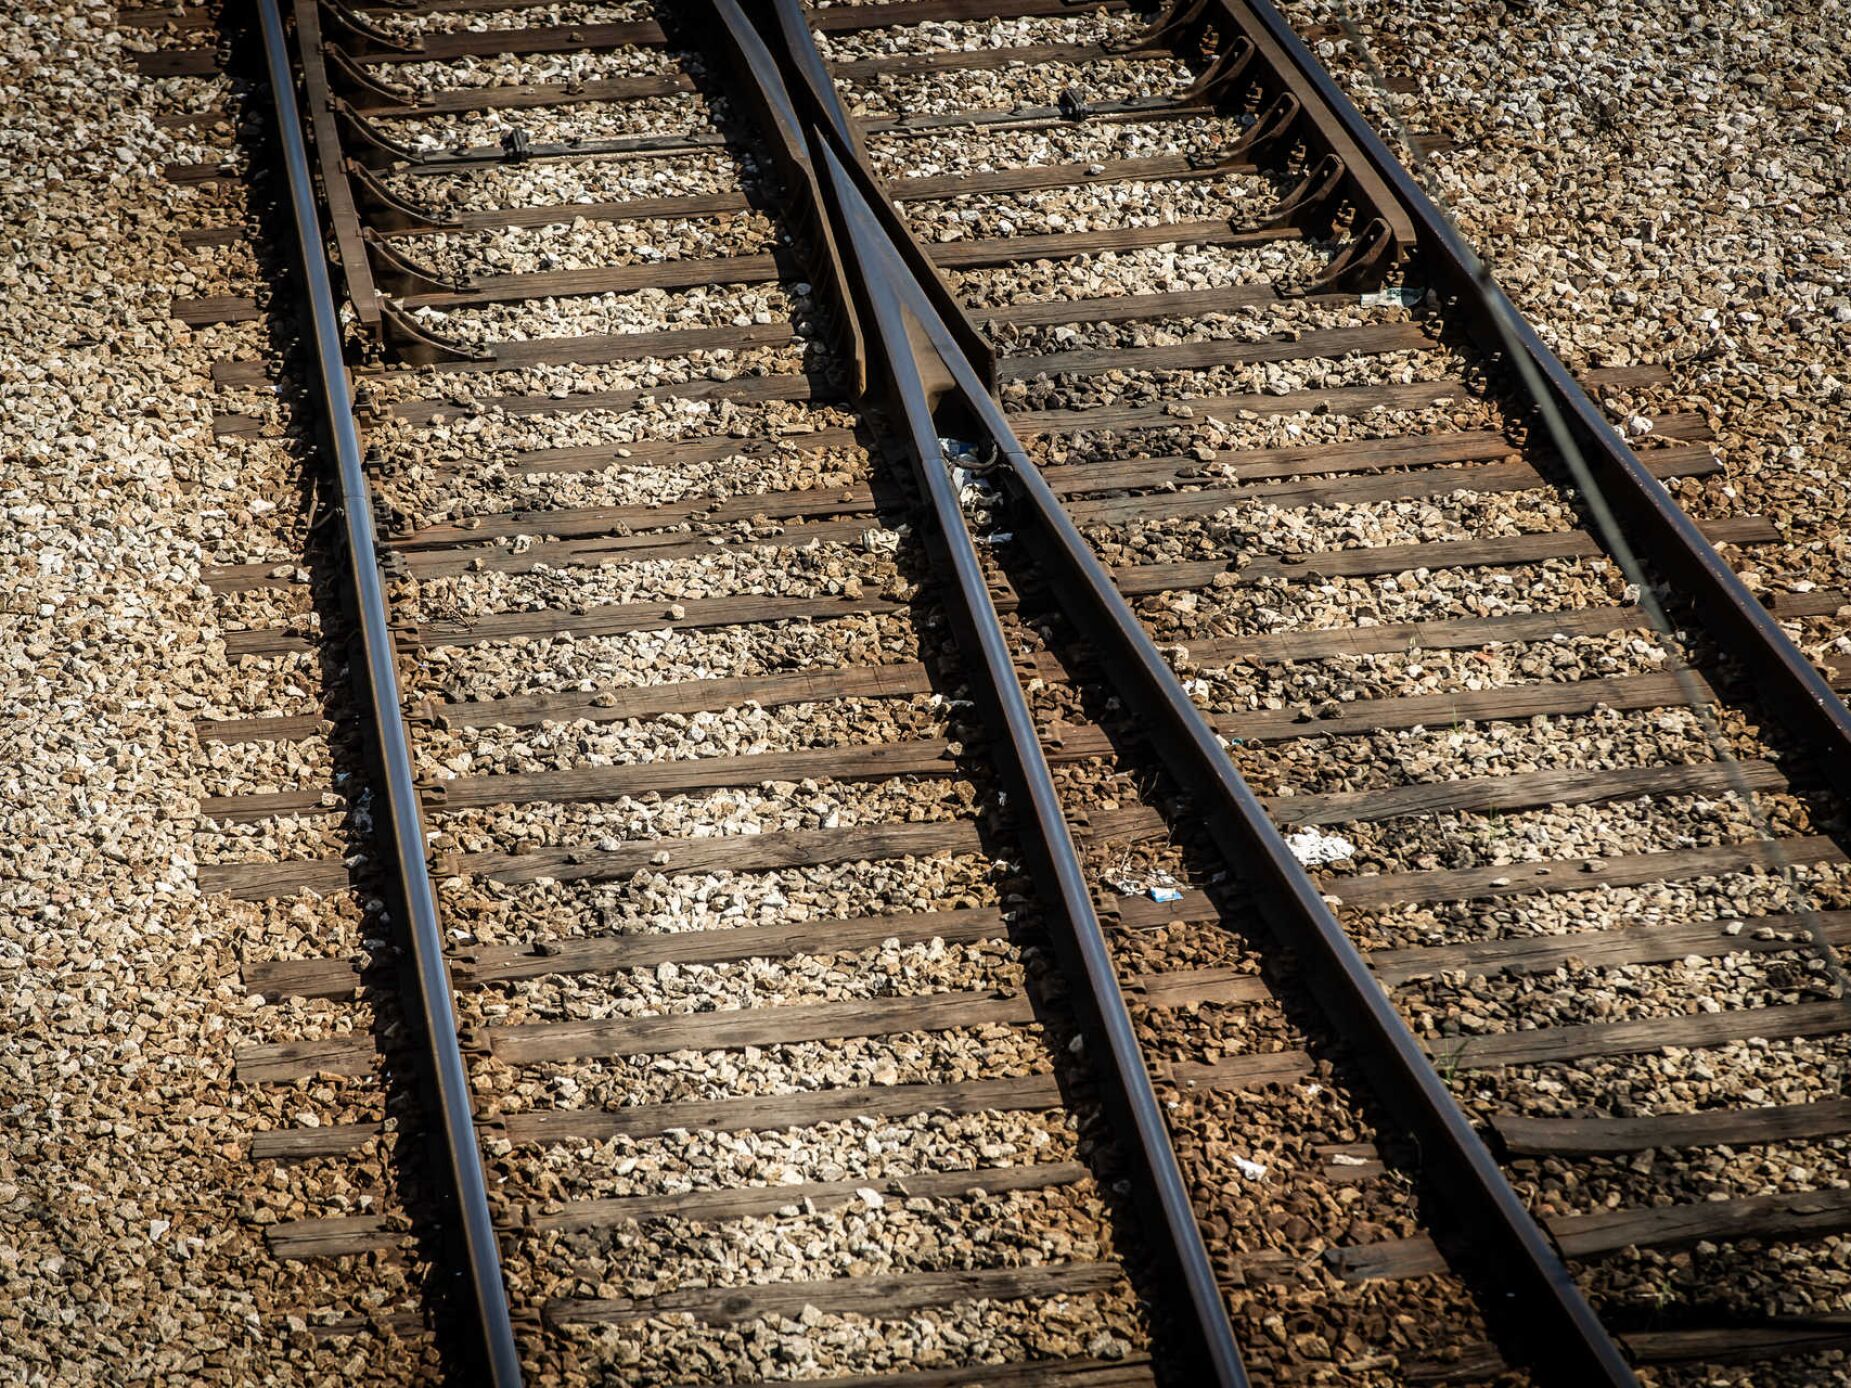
x,y
1567,1335
404,825
811,85
1558,1327
894,300
1655,524
881,327
767,103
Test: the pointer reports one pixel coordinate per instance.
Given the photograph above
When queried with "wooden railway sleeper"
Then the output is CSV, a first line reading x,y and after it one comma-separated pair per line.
x,y
1284,104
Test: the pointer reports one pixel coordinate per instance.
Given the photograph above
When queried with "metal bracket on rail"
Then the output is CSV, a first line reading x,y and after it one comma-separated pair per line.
x,y
360,35
419,345
364,143
1221,73
1362,264
1272,124
397,275
1290,122
1314,203
385,210
1184,18
358,87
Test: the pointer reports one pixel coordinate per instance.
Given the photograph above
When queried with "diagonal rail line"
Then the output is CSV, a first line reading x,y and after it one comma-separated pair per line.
x,y
896,304
1611,487
1641,517
888,301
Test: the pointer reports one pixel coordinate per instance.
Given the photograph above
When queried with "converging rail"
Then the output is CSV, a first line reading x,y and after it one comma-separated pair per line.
x,y
920,347
913,563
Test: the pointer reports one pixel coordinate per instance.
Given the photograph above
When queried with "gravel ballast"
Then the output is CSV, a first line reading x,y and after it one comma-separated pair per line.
x,y
131,1216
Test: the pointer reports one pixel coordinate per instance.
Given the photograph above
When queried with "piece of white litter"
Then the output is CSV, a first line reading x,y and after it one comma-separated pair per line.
x,y
1158,886
871,1198
1252,1170
1345,1159
1314,849
973,490
1393,298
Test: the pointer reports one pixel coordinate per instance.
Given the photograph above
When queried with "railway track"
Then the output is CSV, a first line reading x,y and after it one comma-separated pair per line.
x,y
1017,732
